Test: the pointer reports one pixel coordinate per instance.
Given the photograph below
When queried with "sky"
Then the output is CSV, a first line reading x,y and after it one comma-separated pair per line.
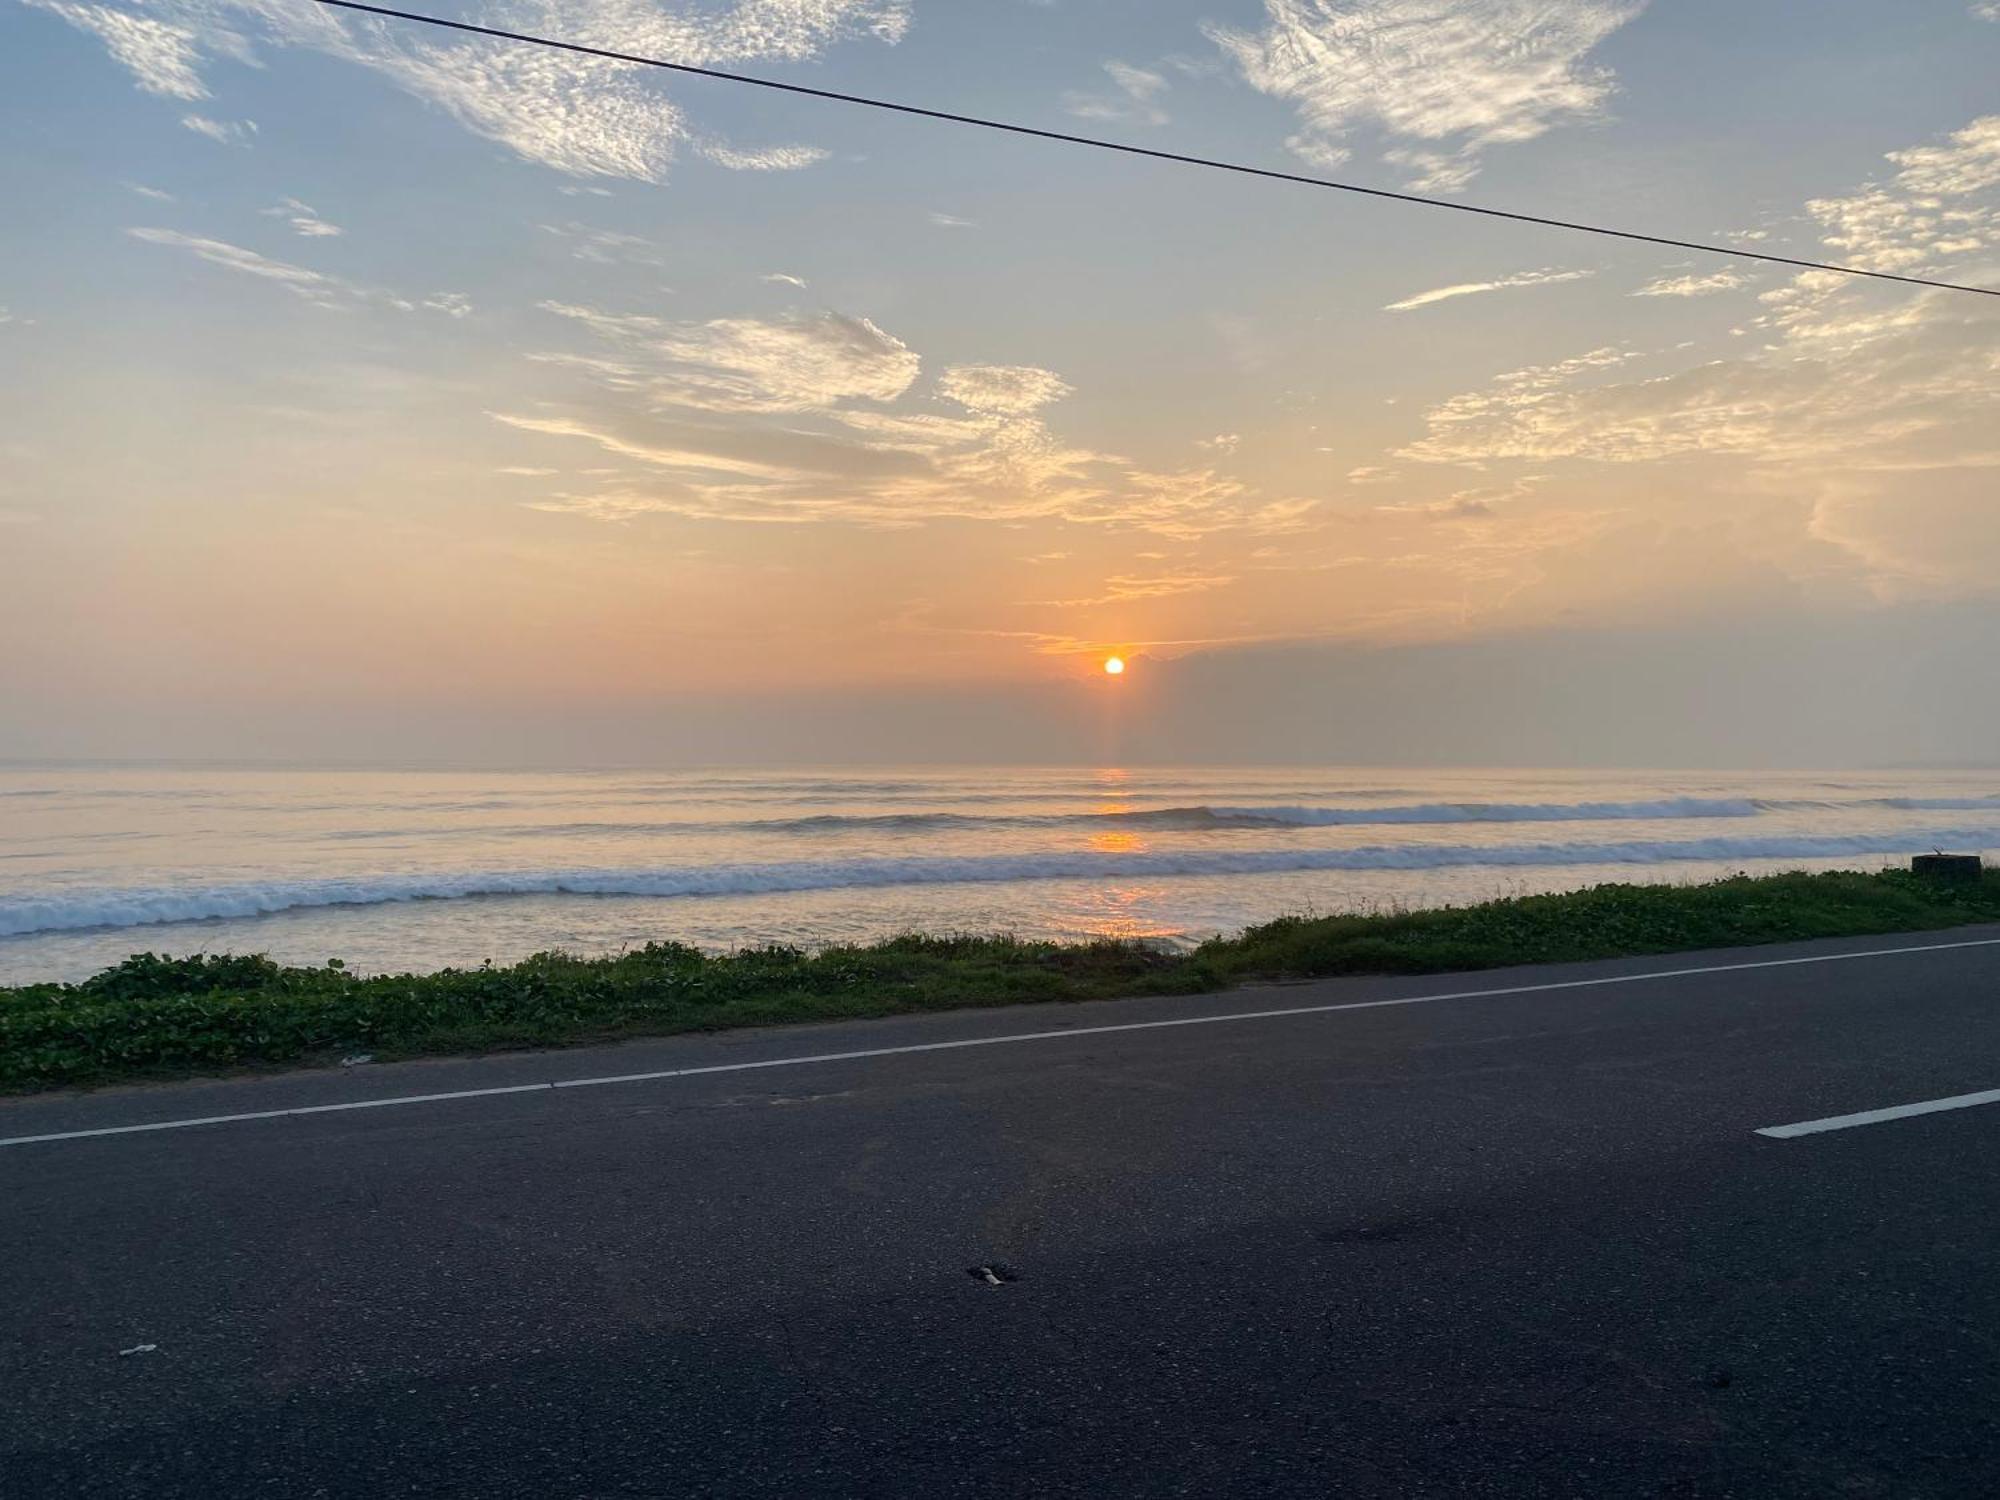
x,y
376,392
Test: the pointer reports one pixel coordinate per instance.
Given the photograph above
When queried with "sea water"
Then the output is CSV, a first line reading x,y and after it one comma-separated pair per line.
x,y
421,869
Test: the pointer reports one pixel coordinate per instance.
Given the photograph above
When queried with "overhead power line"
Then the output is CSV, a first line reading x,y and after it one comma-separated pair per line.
x,y
1096,143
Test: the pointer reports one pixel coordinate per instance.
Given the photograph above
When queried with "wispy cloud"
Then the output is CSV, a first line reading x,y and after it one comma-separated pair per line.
x,y
1009,390
1134,99
303,218
1728,279
801,363
1130,588
223,132
1852,389
686,458
762,158
589,117
813,419
317,287
164,58
1456,78
313,286
951,221
783,278
606,247
1474,288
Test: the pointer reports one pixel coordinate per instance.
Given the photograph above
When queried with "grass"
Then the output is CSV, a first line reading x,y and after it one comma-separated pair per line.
x,y
155,1017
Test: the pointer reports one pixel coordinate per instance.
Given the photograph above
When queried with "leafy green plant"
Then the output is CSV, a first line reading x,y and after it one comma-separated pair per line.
x,y
158,1016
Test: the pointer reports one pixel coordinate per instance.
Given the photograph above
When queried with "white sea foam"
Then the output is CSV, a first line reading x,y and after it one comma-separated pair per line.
x,y
77,910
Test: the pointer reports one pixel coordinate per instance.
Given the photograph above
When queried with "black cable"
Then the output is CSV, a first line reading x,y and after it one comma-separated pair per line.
x,y
1147,151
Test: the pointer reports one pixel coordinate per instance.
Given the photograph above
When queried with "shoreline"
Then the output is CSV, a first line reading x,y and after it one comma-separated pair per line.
x,y
161,1018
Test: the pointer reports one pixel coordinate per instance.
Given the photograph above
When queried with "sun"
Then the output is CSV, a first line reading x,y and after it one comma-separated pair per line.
x,y
1114,666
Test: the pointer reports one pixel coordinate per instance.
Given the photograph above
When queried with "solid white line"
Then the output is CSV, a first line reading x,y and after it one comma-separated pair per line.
x,y
1011,1038
1877,1116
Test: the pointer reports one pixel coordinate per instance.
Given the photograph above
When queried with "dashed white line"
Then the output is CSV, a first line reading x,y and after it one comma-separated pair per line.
x,y
1064,1034
1877,1116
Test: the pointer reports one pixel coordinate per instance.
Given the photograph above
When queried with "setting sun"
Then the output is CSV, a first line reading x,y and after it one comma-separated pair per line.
x,y
1114,665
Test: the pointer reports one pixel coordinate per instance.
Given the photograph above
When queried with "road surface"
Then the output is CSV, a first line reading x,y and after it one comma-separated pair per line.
x,y
1515,1234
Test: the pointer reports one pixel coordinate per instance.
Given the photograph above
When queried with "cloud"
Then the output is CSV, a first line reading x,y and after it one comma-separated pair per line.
x,y
1480,504
801,363
304,219
1370,474
1457,78
606,247
683,459
313,286
1008,390
1871,410
164,58
156,194
1129,588
1135,101
589,117
223,132
1987,10
951,221
1473,288
811,419
1936,209
316,287
1728,279
782,278
762,158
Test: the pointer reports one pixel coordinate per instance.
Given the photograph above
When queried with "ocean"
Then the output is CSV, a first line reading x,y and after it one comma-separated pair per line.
x,y
422,869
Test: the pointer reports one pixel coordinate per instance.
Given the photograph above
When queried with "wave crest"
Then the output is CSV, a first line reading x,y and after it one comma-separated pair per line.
x,y
84,909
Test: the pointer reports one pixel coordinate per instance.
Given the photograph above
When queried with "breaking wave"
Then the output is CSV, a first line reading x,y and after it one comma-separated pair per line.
x,y
1202,818
84,909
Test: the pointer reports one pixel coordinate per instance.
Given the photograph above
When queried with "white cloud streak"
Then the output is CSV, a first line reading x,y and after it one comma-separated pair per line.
x,y
222,132
316,287
313,286
304,219
1728,279
1474,288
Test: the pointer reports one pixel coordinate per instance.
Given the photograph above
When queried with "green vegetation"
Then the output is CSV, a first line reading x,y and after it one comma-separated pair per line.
x,y
161,1017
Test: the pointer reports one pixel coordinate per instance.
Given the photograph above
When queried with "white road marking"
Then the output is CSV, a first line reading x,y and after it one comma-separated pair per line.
x,y
1877,1116
1065,1034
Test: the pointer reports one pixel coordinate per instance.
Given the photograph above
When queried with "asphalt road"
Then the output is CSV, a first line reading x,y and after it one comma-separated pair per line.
x,y
1524,1244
